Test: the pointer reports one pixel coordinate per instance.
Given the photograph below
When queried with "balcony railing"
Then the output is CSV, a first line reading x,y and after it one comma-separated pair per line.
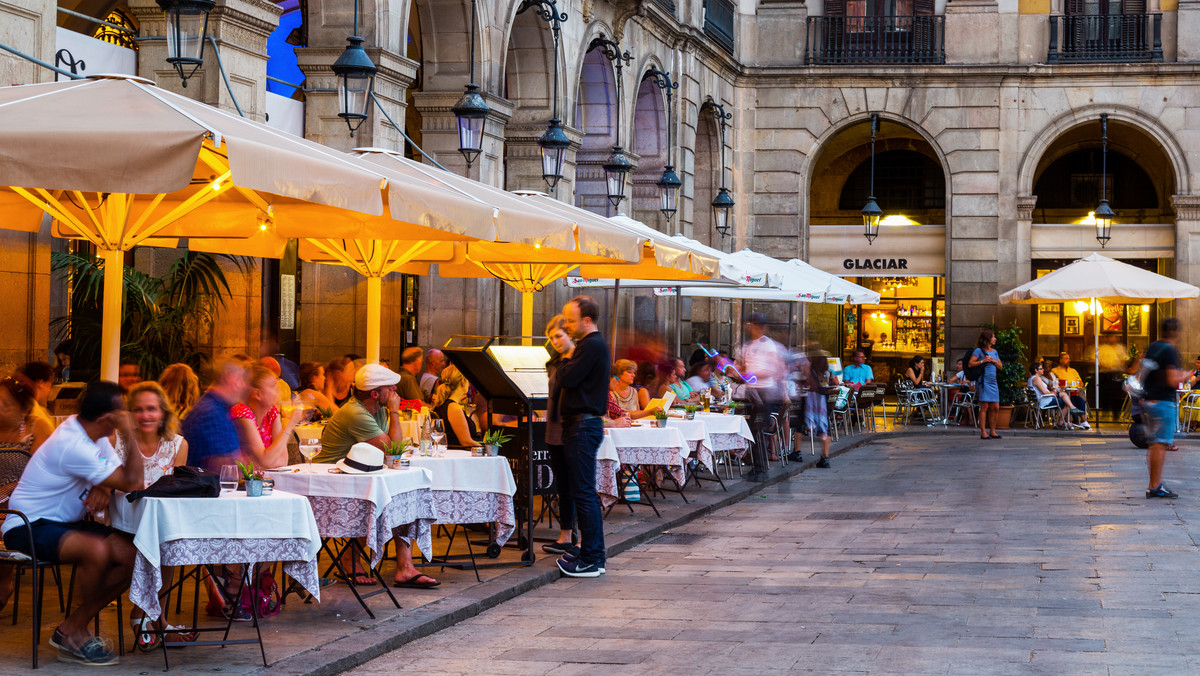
x,y
875,39
1110,38
718,22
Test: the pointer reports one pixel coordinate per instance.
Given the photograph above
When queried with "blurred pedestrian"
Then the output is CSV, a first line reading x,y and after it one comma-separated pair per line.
x,y
762,363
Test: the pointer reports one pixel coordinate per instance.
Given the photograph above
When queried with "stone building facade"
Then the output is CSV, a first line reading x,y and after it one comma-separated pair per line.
x,y
982,106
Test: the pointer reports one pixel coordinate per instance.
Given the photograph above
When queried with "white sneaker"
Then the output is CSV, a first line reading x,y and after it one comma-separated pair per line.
x,y
1085,426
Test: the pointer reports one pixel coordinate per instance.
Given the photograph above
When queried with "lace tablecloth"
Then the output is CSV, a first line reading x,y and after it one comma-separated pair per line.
x,y
607,464
664,446
229,529
695,433
378,506
472,489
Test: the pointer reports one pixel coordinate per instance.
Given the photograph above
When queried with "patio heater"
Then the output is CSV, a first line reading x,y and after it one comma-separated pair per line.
x,y
1104,213
669,184
554,142
471,111
187,30
618,166
871,213
356,80
723,203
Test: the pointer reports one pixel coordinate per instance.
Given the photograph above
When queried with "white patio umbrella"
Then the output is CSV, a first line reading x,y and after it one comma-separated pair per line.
x,y
1097,278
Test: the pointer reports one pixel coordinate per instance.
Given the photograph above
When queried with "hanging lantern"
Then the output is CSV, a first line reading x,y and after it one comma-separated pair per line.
x,y
471,112
616,170
871,213
356,80
554,144
1104,216
722,205
668,192
187,31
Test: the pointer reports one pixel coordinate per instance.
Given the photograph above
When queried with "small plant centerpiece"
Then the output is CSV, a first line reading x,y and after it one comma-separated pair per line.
x,y
395,450
253,478
690,411
493,439
660,418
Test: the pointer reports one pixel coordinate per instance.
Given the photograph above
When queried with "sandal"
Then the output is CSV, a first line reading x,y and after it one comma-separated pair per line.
x,y
181,636
145,637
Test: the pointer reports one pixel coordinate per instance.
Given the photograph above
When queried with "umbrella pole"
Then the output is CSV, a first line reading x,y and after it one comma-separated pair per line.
x,y
374,310
526,316
612,345
114,294
1096,355
679,321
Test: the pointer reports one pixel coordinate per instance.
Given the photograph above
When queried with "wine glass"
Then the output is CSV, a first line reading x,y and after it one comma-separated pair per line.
x,y
437,432
310,448
229,478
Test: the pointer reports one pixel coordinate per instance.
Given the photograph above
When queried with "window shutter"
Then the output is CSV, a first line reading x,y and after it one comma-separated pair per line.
x,y
923,7
838,7
1074,7
1134,34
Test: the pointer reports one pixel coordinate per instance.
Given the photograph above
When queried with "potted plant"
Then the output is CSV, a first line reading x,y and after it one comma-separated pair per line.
x,y
1010,379
660,418
493,439
689,411
253,478
394,450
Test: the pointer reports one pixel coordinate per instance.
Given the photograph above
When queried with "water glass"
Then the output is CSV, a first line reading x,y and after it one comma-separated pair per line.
x,y
229,478
437,432
309,448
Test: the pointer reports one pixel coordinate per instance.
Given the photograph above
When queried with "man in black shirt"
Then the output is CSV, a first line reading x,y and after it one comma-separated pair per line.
x,y
1160,413
582,402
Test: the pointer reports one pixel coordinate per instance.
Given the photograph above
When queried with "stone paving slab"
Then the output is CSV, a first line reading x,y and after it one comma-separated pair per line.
x,y
1031,555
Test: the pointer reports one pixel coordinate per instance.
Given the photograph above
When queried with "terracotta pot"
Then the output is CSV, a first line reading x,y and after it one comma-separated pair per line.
x,y
1004,417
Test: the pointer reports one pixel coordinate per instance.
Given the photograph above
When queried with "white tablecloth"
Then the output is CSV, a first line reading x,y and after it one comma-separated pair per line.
x,y
651,446
374,506
232,528
472,489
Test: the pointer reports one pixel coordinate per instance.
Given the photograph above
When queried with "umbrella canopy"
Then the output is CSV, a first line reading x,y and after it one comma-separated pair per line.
x,y
1099,278
840,290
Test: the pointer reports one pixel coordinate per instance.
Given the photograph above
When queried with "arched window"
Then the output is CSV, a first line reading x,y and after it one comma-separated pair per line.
x,y
905,181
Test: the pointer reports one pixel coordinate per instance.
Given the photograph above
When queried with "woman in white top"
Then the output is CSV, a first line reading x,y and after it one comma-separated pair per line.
x,y
1046,395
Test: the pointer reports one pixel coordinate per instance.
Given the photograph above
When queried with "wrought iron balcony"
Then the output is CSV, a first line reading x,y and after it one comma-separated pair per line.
x,y
718,22
1111,38
834,40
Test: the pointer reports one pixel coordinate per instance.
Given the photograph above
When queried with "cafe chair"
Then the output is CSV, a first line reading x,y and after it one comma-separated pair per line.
x,y
1042,413
864,407
963,401
1188,409
880,404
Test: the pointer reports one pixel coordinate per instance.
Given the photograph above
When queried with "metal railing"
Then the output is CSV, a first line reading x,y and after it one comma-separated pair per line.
x,y
1107,38
718,22
836,40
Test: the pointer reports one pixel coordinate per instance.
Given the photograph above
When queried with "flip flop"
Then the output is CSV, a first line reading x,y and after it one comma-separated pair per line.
x,y
411,583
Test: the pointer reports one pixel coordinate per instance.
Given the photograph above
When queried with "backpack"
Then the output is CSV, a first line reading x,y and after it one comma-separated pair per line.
x,y
971,373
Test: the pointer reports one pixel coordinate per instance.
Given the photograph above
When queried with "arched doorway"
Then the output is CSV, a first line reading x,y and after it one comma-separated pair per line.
x,y
650,125
1138,180
906,263
595,114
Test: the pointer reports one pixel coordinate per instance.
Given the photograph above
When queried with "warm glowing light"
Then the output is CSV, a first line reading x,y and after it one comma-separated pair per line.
x,y
262,226
216,185
1145,308
897,219
1090,219
1081,306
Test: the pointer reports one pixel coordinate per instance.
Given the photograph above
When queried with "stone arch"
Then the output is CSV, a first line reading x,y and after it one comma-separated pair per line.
x,y
528,79
1046,145
706,179
650,136
445,31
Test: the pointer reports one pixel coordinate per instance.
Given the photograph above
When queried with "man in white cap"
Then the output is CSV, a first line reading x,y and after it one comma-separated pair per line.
x,y
372,416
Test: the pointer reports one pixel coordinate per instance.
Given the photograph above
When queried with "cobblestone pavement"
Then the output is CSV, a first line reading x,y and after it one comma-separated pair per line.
x,y
927,555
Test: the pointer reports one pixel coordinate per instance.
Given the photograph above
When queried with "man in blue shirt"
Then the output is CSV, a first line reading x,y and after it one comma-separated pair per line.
x,y
858,374
208,427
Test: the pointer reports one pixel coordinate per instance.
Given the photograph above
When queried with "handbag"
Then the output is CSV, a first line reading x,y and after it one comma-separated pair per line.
x,y
183,482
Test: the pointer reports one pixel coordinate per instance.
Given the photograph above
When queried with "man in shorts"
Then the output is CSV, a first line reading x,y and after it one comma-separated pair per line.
x,y
56,492
1159,407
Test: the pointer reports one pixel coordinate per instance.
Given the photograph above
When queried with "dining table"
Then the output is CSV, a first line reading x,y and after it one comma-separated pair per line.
x,y
472,489
646,445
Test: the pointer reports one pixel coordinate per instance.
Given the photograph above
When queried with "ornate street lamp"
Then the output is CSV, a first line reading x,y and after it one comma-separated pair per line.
x,y
618,167
669,184
187,31
554,142
871,213
1104,213
471,110
356,80
723,203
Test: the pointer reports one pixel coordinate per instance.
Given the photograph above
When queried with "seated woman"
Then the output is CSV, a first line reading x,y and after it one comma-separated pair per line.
x,y
338,381
669,374
1045,395
312,387
448,399
19,428
700,378
182,388
162,449
915,373
264,439
631,399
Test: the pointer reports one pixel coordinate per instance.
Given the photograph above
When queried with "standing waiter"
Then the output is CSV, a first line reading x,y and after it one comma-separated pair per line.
x,y
583,400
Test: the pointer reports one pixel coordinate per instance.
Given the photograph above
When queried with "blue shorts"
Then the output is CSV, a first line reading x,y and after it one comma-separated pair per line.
x,y
47,535
1160,418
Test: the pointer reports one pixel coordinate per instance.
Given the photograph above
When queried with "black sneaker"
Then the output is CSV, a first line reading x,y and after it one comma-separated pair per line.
x,y
1162,492
823,463
560,548
567,558
577,568
94,653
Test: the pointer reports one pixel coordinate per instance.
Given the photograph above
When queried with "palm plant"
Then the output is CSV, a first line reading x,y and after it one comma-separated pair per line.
x,y
162,316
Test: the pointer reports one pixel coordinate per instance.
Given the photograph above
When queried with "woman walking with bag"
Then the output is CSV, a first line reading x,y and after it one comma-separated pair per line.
x,y
988,388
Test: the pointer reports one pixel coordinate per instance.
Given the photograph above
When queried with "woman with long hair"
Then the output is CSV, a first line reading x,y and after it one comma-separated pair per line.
x,y
312,387
915,373
988,387
816,410
560,340
19,428
631,399
448,399
264,438
181,386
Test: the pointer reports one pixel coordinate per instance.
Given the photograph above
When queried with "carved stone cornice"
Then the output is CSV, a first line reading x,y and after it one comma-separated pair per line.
x,y
1025,205
1187,207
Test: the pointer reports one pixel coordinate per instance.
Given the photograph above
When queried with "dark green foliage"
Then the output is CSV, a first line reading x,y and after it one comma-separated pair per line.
x,y
1011,379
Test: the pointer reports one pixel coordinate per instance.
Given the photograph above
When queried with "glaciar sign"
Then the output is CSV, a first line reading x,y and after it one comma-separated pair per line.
x,y
875,264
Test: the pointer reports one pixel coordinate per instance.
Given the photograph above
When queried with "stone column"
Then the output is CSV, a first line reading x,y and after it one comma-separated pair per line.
x,y
439,134
321,121
27,25
1024,237
1187,264
1188,24
240,28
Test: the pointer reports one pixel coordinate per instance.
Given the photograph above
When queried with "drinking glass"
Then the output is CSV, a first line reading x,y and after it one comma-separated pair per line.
x,y
229,478
437,432
310,448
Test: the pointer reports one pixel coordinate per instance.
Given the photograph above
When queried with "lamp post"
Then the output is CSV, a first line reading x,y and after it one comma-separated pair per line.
x,y
723,203
618,166
471,111
554,142
1104,213
187,30
669,184
356,80
871,213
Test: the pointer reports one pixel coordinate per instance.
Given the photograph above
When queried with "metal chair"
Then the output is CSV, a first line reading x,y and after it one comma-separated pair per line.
x,y
963,400
879,402
1039,410
1188,410
838,416
864,406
